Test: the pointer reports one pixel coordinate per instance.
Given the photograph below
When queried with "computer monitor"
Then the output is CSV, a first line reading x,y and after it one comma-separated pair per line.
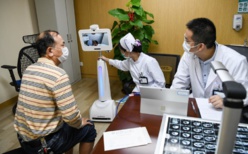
x,y
157,101
95,40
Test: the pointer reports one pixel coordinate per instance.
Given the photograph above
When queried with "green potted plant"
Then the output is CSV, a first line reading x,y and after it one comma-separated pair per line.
x,y
134,20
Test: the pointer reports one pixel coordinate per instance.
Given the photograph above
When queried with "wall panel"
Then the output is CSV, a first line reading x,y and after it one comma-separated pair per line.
x,y
170,19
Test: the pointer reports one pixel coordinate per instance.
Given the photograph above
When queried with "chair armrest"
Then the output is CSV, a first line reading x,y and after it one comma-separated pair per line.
x,y
9,67
12,75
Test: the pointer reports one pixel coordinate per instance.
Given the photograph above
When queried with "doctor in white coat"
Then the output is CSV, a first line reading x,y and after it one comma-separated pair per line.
x,y
194,68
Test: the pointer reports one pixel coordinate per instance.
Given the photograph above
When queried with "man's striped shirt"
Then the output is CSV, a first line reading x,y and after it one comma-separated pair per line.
x,y
45,101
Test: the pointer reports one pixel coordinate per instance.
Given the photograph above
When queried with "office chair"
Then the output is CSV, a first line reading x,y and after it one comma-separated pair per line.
x,y
27,56
243,50
168,64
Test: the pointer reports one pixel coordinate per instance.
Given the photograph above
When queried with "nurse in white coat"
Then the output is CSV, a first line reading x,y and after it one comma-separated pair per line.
x,y
194,68
145,70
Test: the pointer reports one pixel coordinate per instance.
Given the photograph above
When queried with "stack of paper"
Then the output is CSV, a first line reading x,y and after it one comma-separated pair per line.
x,y
126,138
207,110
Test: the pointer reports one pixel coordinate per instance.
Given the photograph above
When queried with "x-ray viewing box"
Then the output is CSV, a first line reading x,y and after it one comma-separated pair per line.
x,y
193,135
95,40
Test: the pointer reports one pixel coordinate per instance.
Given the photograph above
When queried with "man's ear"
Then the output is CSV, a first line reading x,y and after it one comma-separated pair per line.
x,y
49,51
202,46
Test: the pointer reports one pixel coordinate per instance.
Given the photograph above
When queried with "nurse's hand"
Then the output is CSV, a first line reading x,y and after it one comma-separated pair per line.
x,y
104,58
216,101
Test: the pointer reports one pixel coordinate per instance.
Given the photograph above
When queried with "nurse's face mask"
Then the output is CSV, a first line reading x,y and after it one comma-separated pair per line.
x,y
124,56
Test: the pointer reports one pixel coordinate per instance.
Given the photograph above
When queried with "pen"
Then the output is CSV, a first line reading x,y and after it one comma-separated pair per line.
x,y
193,107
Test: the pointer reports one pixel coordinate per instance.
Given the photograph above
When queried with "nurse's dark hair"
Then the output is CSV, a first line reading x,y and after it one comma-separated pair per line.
x,y
203,30
45,40
136,47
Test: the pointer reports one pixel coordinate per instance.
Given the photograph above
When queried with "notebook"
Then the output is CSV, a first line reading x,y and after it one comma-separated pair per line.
x,y
158,101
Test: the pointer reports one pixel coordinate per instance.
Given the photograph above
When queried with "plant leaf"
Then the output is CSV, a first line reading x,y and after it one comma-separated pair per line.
x,y
115,31
148,21
138,34
116,12
115,40
114,25
154,41
135,2
117,54
149,14
128,4
145,46
138,10
126,26
148,31
137,23
120,14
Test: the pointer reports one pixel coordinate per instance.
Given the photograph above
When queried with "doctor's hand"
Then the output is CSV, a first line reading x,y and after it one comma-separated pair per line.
x,y
216,101
104,58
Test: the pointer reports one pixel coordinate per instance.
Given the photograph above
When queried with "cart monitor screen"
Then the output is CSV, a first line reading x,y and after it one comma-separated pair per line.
x,y
97,40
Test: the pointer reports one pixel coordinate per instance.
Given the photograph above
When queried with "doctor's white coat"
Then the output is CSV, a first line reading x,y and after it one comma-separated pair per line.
x,y
189,72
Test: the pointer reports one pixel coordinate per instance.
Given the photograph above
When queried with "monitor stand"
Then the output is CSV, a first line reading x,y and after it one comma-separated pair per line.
x,y
103,109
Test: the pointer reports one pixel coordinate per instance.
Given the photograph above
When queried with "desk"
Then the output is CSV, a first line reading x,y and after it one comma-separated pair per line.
x,y
129,117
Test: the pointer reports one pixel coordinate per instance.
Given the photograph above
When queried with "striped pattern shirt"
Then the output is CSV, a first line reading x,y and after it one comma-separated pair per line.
x,y
45,101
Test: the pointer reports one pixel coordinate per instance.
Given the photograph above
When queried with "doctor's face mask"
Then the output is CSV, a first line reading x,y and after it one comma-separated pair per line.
x,y
187,47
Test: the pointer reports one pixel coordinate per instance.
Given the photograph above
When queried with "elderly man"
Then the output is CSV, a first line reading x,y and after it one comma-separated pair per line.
x,y
47,117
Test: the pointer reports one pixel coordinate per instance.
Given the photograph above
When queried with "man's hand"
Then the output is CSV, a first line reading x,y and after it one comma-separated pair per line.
x,y
86,121
216,101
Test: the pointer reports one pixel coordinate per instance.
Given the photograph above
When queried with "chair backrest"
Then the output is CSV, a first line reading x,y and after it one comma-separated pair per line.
x,y
240,49
27,56
165,60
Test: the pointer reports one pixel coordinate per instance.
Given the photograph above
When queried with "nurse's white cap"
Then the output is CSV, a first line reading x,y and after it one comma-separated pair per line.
x,y
127,42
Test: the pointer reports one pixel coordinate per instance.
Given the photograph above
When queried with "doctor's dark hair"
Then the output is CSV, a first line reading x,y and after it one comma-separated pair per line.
x,y
203,30
45,40
137,47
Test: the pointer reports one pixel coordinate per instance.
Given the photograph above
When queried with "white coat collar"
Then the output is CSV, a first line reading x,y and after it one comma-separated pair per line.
x,y
198,70
212,76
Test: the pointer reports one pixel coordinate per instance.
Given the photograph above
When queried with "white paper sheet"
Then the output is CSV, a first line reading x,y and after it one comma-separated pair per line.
x,y
126,138
207,110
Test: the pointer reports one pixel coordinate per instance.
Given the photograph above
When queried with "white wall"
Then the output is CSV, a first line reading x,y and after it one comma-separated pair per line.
x,y
17,18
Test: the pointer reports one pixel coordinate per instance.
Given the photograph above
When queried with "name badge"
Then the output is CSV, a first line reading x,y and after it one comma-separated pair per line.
x,y
219,92
143,80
